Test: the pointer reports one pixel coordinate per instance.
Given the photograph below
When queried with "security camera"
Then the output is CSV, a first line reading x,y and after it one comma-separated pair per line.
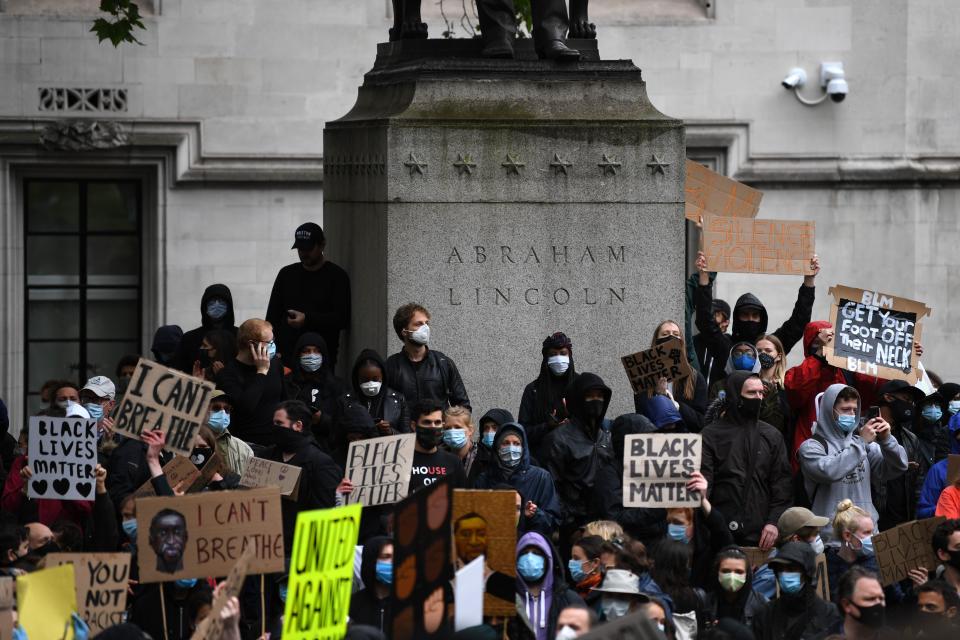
x,y
833,80
796,78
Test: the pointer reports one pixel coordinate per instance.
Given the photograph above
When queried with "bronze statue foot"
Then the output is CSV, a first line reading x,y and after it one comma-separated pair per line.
x,y
498,49
583,29
413,30
557,50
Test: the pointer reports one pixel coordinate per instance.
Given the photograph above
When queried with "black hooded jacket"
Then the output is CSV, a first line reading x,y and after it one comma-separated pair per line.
x,y
365,607
577,452
745,606
485,459
388,405
542,406
188,350
318,390
800,617
745,463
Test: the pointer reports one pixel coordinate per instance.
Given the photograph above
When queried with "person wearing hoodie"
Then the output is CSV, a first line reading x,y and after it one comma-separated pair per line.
x,y
386,406
898,496
745,463
542,592
841,462
711,363
489,424
217,348
687,393
166,339
371,605
543,406
216,312
930,426
311,381
799,613
743,356
729,592
936,479
578,450
541,508
812,377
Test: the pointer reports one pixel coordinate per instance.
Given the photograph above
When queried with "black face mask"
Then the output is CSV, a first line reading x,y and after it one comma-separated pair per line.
x,y
902,411
954,560
289,440
664,339
766,360
873,617
204,358
428,437
593,409
200,456
749,329
750,407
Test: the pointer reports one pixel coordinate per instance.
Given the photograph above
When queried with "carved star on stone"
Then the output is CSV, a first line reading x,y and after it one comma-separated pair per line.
x,y
560,165
464,164
513,165
415,165
657,165
609,165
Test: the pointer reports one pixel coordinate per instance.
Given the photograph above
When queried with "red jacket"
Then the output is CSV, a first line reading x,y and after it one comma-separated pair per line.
x,y
813,376
48,511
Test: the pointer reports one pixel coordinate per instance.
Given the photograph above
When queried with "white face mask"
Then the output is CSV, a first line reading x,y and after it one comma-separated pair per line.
x,y
421,335
566,633
817,546
614,609
558,364
370,389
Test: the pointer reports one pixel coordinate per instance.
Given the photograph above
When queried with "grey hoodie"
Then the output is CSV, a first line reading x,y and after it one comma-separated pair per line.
x,y
848,466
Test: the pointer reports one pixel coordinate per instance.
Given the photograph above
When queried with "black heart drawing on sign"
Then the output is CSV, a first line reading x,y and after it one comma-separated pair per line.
x,y
61,486
84,488
40,486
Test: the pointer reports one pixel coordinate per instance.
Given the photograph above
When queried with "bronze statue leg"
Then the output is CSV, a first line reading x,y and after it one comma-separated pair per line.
x,y
498,27
407,24
550,30
580,25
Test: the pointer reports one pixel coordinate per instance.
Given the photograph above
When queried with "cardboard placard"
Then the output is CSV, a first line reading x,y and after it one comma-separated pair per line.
x,y
874,333
380,469
421,564
267,473
485,524
211,627
6,608
63,457
46,600
204,534
905,547
645,368
756,556
953,469
747,245
101,581
707,192
162,398
178,470
321,573
636,626
656,469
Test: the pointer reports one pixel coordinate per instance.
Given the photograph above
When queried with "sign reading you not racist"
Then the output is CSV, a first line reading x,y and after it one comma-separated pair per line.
x,y
101,583
645,368
749,245
63,458
379,469
162,398
656,468
875,333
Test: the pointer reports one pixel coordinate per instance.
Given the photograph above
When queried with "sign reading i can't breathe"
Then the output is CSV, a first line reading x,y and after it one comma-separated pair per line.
x,y
656,468
875,333
162,398
63,458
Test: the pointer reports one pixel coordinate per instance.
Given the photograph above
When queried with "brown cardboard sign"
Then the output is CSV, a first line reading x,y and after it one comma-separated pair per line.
x,y
709,193
749,245
204,534
102,581
874,333
380,469
211,628
6,608
756,556
421,564
645,368
162,398
485,523
180,471
268,473
905,547
953,469
657,467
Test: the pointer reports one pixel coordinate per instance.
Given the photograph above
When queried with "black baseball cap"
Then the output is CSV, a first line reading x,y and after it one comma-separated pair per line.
x,y
895,386
307,235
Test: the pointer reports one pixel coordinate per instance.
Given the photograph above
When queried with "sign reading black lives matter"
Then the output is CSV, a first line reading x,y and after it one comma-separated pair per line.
x,y
379,469
656,468
874,333
162,398
645,368
63,458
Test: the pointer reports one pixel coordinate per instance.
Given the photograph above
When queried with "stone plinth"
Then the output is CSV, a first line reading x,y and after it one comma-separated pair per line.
x,y
512,199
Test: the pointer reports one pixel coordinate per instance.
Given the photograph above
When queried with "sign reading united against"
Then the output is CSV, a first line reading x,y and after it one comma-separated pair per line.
x,y
162,398
707,192
645,368
656,468
874,333
749,245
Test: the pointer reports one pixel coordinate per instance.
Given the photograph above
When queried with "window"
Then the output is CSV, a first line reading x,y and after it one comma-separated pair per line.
x,y
83,278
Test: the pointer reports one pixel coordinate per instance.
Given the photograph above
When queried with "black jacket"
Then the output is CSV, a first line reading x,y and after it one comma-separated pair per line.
x,y
745,606
805,618
323,295
318,390
255,397
365,607
896,499
745,462
435,378
542,406
189,348
388,405
692,408
127,469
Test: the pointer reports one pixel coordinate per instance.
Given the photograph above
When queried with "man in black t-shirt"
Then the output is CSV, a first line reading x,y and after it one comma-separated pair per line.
x,y
430,463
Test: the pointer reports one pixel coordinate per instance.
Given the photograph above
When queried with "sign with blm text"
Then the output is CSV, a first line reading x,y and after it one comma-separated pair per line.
x,y
162,398
645,368
656,468
749,245
101,581
905,547
875,333
63,458
707,192
379,469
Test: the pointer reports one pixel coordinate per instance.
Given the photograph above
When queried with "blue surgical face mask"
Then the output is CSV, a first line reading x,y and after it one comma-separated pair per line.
x,y
678,532
510,454
216,308
219,421
487,438
384,571
130,528
790,581
744,362
953,406
310,361
186,583
576,570
932,413
847,423
95,409
282,591
455,438
531,566
867,548
271,349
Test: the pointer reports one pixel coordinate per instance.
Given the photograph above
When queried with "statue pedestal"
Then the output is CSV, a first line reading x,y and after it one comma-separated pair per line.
x,y
512,198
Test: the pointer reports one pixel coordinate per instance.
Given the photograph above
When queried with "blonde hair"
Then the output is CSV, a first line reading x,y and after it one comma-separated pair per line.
x,y
606,529
251,329
689,383
780,368
847,518
458,411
